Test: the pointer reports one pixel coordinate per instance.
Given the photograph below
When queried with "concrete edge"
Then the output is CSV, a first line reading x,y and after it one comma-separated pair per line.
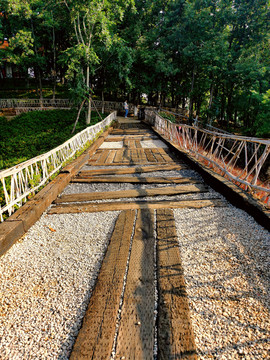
x,y
235,195
19,223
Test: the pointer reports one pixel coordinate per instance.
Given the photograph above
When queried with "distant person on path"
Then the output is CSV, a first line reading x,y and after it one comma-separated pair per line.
x,y
126,108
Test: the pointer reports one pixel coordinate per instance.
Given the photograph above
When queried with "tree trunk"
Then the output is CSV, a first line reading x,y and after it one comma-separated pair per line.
x,y
54,64
103,104
191,95
88,117
210,103
40,88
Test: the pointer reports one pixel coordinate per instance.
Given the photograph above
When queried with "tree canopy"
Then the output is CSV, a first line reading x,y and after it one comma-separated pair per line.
x,y
211,57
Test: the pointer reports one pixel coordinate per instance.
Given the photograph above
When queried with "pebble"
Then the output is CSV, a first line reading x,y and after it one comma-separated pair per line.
x,y
46,281
47,277
226,264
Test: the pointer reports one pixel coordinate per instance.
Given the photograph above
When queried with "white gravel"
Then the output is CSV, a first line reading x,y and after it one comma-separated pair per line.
x,y
225,256
150,144
112,145
46,278
45,284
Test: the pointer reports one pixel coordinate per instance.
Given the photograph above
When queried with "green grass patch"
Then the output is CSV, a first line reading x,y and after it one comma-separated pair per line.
x,y
37,132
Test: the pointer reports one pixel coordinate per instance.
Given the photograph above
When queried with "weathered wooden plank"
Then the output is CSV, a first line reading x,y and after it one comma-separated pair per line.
x,y
117,206
150,156
133,137
135,179
95,157
96,337
134,193
134,156
136,332
132,170
126,142
110,157
131,143
157,155
141,154
104,155
175,334
138,144
166,155
118,156
132,132
128,162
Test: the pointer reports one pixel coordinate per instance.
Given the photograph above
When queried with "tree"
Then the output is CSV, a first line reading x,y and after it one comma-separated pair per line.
x,y
94,23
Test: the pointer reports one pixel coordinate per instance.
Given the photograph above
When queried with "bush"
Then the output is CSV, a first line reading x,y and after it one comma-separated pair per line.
x,y
168,116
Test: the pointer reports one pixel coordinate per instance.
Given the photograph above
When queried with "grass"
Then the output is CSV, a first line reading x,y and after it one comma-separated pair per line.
x,y
34,133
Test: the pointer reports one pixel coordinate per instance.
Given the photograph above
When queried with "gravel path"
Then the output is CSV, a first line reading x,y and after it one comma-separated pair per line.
x,y
46,281
226,257
46,278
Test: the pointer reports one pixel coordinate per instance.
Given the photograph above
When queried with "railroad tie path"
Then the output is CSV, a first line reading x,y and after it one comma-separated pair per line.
x,y
132,336
138,258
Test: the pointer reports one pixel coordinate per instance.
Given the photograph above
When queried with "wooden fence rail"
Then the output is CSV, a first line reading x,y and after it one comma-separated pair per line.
x,y
238,158
24,179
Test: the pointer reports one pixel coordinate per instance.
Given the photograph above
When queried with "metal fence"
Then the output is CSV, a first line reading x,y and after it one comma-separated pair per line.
x,y
25,105
238,158
24,179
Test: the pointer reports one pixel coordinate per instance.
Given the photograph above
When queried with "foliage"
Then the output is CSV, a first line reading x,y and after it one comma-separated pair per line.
x,y
209,56
34,133
168,116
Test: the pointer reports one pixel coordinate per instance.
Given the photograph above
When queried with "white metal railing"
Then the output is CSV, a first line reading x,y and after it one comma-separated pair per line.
x,y
238,158
24,179
23,105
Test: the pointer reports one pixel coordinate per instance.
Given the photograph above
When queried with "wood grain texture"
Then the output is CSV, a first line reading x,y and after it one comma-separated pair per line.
x,y
118,205
135,193
96,337
175,333
131,170
136,332
135,179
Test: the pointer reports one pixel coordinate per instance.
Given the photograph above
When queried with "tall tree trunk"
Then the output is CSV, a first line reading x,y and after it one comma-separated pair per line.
x,y
210,102
38,68
103,104
229,106
88,118
40,88
191,95
54,64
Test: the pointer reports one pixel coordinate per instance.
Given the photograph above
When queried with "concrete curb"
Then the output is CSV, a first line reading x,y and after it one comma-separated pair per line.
x,y
18,223
235,195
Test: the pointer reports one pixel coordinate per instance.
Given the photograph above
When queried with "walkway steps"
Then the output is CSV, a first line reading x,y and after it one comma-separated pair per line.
x,y
121,318
125,205
164,191
137,327
95,340
131,156
134,180
133,170
114,138
175,334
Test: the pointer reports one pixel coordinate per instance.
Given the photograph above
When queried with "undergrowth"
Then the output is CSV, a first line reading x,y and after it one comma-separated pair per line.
x,y
34,133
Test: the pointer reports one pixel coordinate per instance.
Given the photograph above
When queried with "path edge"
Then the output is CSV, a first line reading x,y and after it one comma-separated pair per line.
x,y
18,223
235,195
